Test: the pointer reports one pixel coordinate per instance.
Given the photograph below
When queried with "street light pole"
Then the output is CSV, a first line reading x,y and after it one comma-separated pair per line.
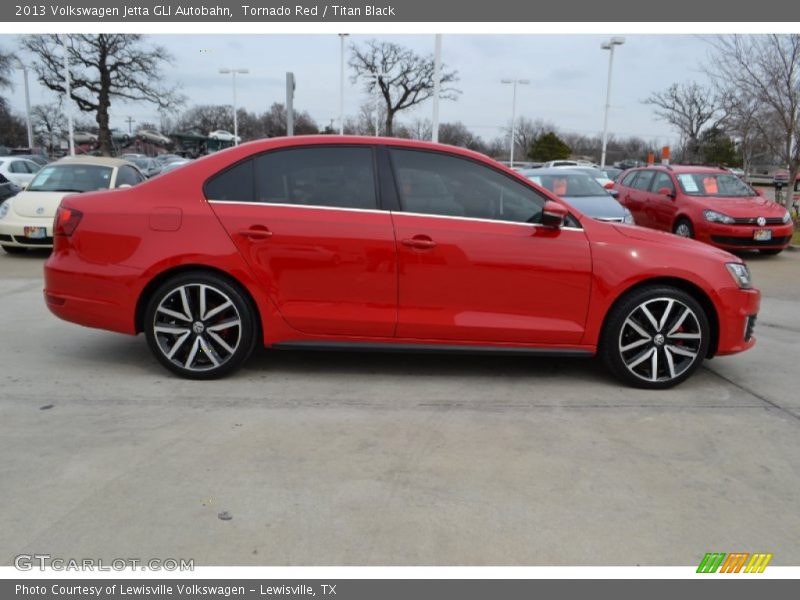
x,y
68,93
233,73
609,45
375,78
514,83
437,76
341,82
21,65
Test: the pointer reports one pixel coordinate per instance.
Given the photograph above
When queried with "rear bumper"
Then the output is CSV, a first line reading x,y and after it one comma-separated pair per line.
x,y
101,296
737,310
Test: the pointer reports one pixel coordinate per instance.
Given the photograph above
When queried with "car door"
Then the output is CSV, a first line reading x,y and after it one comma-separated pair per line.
x,y
19,172
629,198
307,221
662,207
640,198
474,265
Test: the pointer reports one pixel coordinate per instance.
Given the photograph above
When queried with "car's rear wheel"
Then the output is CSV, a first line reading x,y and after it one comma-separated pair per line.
x,y
200,326
15,249
655,337
771,251
683,228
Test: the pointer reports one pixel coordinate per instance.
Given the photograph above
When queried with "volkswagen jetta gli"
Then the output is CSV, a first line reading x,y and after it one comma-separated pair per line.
x,y
370,243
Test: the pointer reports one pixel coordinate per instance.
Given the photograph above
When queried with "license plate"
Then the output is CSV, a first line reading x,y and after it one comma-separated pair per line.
x,y
36,233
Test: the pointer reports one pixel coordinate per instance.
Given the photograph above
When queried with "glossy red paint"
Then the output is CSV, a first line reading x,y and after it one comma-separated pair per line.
x,y
655,209
379,276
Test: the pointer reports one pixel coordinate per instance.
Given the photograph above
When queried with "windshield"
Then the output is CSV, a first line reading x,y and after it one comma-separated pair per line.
x,y
570,185
723,185
71,178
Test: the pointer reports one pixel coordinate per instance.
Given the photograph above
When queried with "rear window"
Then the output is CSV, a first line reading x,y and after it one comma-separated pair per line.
x,y
336,177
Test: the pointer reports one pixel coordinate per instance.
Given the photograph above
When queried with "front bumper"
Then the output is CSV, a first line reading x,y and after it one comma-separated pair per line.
x,y
742,237
12,232
737,310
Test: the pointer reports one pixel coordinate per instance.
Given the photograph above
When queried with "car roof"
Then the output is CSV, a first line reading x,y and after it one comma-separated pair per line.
x,y
559,171
683,169
102,161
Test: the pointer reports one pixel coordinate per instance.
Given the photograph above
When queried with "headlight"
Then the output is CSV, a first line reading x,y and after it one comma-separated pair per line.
x,y
740,274
4,208
628,218
786,218
715,217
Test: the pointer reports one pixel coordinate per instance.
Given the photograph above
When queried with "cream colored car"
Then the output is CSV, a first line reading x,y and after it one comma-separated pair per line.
x,y
26,220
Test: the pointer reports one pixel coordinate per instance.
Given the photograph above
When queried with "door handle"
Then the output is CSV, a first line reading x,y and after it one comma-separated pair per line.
x,y
256,233
421,242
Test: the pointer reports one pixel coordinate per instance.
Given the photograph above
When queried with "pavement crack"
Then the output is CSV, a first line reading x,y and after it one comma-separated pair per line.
x,y
747,390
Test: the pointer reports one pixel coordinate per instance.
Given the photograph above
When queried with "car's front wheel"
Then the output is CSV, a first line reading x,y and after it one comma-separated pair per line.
x,y
200,326
655,337
684,228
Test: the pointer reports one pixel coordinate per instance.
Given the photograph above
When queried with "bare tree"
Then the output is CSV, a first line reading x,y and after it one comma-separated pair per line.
x,y
405,78
688,107
48,122
103,68
6,61
764,70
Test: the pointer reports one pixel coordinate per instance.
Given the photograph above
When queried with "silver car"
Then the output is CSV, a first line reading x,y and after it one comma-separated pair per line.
x,y
583,192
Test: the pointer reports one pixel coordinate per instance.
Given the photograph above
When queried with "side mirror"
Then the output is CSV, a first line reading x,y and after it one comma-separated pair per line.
x,y
609,185
666,192
24,186
554,214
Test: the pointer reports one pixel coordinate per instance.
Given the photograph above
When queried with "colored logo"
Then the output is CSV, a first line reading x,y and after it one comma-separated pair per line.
x,y
736,562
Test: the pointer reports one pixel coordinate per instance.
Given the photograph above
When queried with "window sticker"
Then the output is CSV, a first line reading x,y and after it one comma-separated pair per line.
x,y
688,183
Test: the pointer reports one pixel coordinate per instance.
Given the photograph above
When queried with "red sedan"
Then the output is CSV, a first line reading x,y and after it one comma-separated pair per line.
x,y
708,204
386,244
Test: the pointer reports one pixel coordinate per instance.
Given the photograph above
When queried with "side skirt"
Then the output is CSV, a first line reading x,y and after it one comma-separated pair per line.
x,y
430,348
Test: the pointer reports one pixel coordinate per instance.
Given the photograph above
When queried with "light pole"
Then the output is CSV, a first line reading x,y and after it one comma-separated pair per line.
x,y
341,82
375,79
233,73
20,65
514,82
609,45
437,78
67,93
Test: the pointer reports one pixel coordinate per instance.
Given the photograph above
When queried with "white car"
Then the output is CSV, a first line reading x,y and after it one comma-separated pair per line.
x,y
224,136
154,137
18,171
26,220
84,137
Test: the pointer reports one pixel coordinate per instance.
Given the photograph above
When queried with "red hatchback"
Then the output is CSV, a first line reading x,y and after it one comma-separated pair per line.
x,y
385,244
708,204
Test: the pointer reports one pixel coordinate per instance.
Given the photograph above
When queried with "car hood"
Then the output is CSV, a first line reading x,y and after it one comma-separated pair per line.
x,y
752,206
38,204
597,207
673,241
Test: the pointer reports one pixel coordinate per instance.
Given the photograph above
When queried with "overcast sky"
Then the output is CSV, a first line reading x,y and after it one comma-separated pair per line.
x,y
567,73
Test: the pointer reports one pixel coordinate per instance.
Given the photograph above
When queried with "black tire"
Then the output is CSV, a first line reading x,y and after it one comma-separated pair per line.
x,y
683,228
206,346
627,348
771,251
15,249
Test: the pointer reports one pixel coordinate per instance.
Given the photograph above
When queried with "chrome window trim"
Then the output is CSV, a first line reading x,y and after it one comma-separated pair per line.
x,y
390,212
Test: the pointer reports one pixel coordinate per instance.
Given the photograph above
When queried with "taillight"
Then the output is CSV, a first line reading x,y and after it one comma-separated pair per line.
x,y
66,221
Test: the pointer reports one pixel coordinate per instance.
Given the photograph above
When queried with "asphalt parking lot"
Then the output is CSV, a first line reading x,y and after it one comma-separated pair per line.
x,y
380,459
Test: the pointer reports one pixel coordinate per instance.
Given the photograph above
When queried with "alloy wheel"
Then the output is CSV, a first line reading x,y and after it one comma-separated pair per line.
x,y
660,339
197,327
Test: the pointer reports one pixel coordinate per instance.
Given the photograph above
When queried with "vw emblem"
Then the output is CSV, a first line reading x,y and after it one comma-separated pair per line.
x,y
761,221
40,210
